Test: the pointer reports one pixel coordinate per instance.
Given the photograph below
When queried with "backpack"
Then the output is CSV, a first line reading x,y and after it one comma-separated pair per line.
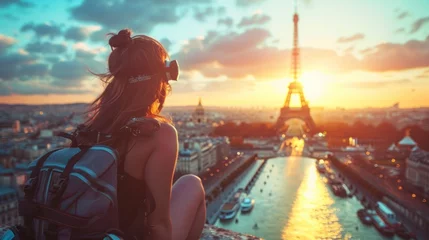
x,y
72,193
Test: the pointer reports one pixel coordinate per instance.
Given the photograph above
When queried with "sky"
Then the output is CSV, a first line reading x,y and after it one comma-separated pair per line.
x,y
354,54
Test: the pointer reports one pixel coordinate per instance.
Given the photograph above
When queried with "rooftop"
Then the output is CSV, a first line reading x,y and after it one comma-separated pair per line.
x,y
214,233
419,156
407,140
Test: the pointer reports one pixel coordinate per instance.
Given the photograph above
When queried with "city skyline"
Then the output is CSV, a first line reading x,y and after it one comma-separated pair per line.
x,y
355,55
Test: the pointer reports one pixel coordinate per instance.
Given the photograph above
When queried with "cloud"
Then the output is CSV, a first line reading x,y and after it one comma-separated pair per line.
x,y
403,15
202,15
44,29
99,36
79,33
424,75
227,21
19,3
356,37
239,55
255,19
246,3
140,16
30,71
10,17
38,87
69,72
395,57
5,42
12,64
46,48
419,24
83,54
375,84
221,10
400,30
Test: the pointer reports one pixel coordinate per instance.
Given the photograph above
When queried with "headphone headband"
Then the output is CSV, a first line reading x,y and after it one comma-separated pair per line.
x,y
170,72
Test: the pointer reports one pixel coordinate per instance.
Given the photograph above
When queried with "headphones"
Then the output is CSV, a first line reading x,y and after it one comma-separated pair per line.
x,y
170,72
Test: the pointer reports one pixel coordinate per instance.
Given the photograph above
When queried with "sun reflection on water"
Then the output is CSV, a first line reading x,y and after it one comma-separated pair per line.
x,y
311,216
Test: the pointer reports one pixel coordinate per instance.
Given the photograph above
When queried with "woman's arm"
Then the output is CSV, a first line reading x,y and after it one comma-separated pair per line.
x,y
159,173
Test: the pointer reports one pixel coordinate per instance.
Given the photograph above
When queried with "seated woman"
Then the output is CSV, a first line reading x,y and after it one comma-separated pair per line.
x,y
137,85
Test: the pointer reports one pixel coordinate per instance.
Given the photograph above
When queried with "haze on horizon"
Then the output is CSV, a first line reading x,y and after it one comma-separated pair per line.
x,y
356,54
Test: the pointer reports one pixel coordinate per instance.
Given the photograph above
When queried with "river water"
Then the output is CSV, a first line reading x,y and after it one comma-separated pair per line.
x,y
293,202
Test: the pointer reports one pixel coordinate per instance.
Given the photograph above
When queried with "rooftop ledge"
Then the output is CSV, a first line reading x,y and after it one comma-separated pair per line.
x,y
211,232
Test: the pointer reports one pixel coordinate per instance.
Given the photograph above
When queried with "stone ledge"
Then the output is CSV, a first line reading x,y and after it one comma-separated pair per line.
x,y
211,232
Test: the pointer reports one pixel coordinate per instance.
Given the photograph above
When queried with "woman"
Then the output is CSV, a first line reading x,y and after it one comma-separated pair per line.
x,y
150,158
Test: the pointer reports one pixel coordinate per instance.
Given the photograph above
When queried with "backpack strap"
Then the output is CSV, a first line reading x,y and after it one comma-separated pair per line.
x,y
58,188
29,190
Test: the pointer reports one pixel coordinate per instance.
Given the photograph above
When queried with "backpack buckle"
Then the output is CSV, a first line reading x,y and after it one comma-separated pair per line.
x,y
30,185
59,185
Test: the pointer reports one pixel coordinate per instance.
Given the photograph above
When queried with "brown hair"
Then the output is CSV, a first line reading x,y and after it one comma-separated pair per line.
x,y
121,100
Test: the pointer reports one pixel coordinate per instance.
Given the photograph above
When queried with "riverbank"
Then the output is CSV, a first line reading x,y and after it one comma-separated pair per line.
x,y
369,189
241,181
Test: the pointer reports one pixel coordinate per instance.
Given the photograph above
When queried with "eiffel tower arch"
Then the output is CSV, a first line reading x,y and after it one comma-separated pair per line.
x,y
295,88
302,113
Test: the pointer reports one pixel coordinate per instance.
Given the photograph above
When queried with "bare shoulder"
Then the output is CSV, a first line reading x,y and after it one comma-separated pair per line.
x,y
166,133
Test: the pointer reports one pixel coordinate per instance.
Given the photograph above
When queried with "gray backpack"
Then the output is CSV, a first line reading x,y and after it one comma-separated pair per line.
x,y
71,194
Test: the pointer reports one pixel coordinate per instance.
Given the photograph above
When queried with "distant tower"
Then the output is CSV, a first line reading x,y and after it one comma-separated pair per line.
x,y
199,115
16,126
295,87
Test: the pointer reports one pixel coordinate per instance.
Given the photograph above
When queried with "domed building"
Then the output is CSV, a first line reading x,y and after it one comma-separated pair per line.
x,y
199,115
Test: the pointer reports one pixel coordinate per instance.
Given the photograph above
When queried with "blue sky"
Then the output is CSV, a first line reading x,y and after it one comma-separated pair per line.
x,y
355,53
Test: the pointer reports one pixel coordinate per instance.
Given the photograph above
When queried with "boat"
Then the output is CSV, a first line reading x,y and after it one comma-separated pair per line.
x,y
229,210
381,226
364,216
238,195
247,204
320,166
338,190
404,233
348,192
387,215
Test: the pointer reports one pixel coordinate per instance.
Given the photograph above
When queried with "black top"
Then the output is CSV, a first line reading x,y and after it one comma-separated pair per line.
x,y
131,196
132,201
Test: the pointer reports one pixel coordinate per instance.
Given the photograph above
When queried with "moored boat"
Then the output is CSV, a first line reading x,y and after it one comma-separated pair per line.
x,y
247,204
381,226
364,216
320,166
388,216
229,211
338,190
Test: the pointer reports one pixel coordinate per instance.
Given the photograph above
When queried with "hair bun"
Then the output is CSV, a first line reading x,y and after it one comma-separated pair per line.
x,y
122,39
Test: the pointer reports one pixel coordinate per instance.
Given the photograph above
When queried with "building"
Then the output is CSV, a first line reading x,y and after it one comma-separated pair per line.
x,y
189,161
197,154
223,147
16,126
199,115
9,215
417,169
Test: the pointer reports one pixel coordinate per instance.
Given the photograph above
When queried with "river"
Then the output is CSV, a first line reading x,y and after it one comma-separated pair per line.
x,y
293,202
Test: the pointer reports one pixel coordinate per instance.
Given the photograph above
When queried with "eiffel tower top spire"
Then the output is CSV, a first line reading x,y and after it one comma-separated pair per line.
x,y
295,68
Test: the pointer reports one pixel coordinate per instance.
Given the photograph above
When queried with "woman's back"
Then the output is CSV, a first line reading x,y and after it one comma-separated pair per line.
x,y
137,85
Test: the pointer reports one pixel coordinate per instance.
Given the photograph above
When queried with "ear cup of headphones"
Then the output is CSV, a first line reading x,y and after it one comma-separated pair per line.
x,y
172,70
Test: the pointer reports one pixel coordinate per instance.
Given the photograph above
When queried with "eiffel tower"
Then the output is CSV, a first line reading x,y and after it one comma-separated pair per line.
x,y
295,88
